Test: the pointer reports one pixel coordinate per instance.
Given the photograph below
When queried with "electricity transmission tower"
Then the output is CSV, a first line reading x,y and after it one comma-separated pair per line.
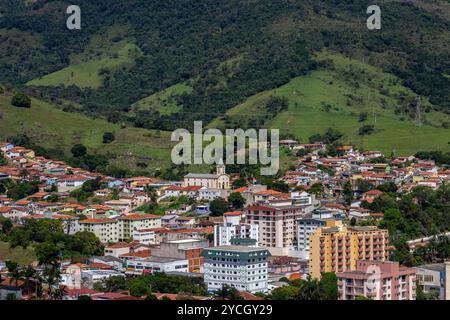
x,y
418,119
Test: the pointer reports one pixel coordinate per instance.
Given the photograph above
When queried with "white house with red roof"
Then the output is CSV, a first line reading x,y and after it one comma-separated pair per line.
x,y
71,182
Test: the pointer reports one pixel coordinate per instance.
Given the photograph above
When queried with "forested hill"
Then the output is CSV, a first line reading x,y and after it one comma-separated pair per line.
x,y
224,51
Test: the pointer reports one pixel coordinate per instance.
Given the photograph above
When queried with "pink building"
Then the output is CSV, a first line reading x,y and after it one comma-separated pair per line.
x,y
378,280
277,224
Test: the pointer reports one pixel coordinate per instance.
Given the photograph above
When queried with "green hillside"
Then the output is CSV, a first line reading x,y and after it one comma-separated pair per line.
x,y
54,128
335,95
18,254
230,50
86,74
163,101
105,53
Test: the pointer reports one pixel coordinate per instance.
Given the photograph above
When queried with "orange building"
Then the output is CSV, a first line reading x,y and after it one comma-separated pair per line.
x,y
337,248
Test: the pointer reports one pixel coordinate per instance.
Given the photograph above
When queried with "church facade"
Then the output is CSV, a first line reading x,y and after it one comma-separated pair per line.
x,y
220,180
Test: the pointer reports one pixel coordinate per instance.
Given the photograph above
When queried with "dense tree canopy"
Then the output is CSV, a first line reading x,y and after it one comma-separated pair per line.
x,y
218,207
226,51
51,241
20,99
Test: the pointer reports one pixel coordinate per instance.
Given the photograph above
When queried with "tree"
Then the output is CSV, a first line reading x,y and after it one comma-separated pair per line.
x,y
311,289
111,284
51,276
388,187
302,152
285,293
6,225
2,159
317,189
239,183
237,200
329,285
228,293
14,271
421,295
401,253
108,137
115,194
48,253
366,129
218,207
92,245
348,193
363,186
362,117
78,150
150,296
29,274
22,189
151,192
280,186
21,100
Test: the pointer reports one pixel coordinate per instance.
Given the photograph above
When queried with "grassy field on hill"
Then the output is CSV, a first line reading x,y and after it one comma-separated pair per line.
x,y
54,128
19,255
105,52
334,97
163,101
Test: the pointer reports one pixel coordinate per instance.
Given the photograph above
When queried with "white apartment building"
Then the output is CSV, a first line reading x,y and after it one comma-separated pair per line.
x,y
244,268
210,194
112,230
129,223
148,236
306,227
302,198
233,228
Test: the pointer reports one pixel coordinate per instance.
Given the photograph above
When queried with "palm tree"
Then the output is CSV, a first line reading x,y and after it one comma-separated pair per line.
x,y
310,290
14,271
51,277
151,192
29,274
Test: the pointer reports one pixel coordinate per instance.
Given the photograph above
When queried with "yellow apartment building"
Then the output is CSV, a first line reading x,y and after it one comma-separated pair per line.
x,y
337,248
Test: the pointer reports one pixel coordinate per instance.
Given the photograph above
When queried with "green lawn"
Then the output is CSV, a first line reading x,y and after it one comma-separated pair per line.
x,y
18,254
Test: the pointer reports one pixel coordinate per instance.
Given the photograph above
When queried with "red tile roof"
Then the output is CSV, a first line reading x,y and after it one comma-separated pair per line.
x,y
103,220
232,214
138,254
242,189
79,292
137,216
